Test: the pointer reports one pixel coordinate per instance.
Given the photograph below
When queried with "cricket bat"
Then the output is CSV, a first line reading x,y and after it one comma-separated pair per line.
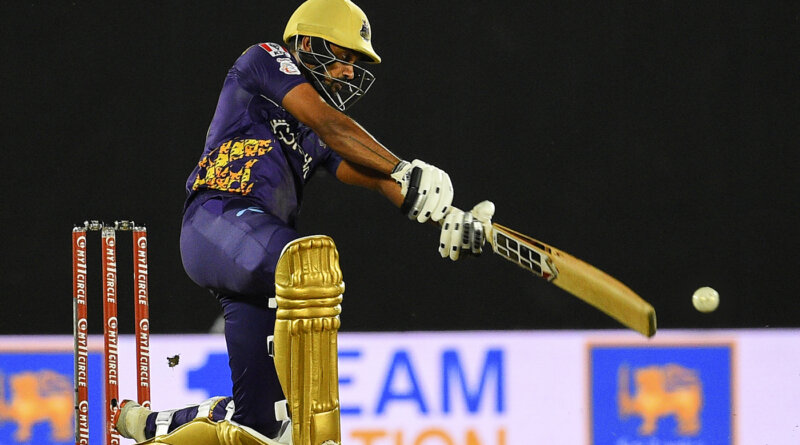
x,y
577,277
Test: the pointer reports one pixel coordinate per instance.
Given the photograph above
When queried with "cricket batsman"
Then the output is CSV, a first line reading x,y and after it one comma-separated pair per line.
x,y
280,117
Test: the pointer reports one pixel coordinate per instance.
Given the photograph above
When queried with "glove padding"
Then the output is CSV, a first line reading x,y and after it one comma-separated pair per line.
x,y
464,233
427,190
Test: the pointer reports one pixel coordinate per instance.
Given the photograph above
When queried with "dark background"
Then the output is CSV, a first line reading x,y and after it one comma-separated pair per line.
x,y
655,140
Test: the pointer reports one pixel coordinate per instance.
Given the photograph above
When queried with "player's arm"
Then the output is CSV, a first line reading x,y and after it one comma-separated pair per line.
x,y
462,233
426,190
355,174
424,193
341,133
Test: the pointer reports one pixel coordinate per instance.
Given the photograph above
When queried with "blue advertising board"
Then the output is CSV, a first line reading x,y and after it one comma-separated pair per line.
x,y
661,395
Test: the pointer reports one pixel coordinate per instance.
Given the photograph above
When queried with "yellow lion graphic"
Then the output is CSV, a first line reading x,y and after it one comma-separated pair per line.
x,y
671,390
43,396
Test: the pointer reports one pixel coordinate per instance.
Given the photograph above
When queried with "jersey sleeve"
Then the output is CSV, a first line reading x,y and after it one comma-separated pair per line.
x,y
332,162
320,151
267,69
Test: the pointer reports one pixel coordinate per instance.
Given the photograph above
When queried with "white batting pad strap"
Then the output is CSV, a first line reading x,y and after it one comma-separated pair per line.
x,y
285,434
163,419
229,409
281,410
204,408
272,303
271,345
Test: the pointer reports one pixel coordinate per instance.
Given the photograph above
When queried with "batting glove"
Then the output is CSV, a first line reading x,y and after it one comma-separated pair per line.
x,y
427,190
463,233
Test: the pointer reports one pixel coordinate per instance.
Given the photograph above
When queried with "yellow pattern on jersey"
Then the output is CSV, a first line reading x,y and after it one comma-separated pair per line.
x,y
215,168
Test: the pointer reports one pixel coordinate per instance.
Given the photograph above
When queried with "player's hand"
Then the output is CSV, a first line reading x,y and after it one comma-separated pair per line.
x,y
427,190
464,233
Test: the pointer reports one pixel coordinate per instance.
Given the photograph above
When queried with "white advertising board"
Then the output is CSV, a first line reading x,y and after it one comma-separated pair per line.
x,y
480,388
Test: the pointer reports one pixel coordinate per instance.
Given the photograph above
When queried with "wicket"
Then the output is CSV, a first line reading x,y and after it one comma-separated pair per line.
x,y
110,328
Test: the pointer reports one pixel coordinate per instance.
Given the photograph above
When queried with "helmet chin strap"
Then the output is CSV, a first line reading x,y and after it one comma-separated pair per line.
x,y
340,93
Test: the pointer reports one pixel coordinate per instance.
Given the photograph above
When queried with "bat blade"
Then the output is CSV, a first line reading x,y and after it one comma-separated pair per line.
x,y
577,277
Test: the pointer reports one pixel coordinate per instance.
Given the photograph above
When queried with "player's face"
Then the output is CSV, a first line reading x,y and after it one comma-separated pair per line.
x,y
341,70
333,70
337,70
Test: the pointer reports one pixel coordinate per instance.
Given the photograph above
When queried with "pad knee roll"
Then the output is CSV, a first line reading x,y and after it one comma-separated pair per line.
x,y
308,290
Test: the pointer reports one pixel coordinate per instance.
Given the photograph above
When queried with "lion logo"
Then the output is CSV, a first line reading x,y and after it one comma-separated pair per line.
x,y
43,396
671,390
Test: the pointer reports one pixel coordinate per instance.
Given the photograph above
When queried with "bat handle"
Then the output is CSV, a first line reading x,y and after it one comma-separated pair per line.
x,y
483,212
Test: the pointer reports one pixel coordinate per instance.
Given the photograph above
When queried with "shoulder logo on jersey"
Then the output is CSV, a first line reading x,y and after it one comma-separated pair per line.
x,y
288,67
273,49
281,56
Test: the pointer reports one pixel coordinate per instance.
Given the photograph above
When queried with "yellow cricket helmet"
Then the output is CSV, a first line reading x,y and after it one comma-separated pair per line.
x,y
340,22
